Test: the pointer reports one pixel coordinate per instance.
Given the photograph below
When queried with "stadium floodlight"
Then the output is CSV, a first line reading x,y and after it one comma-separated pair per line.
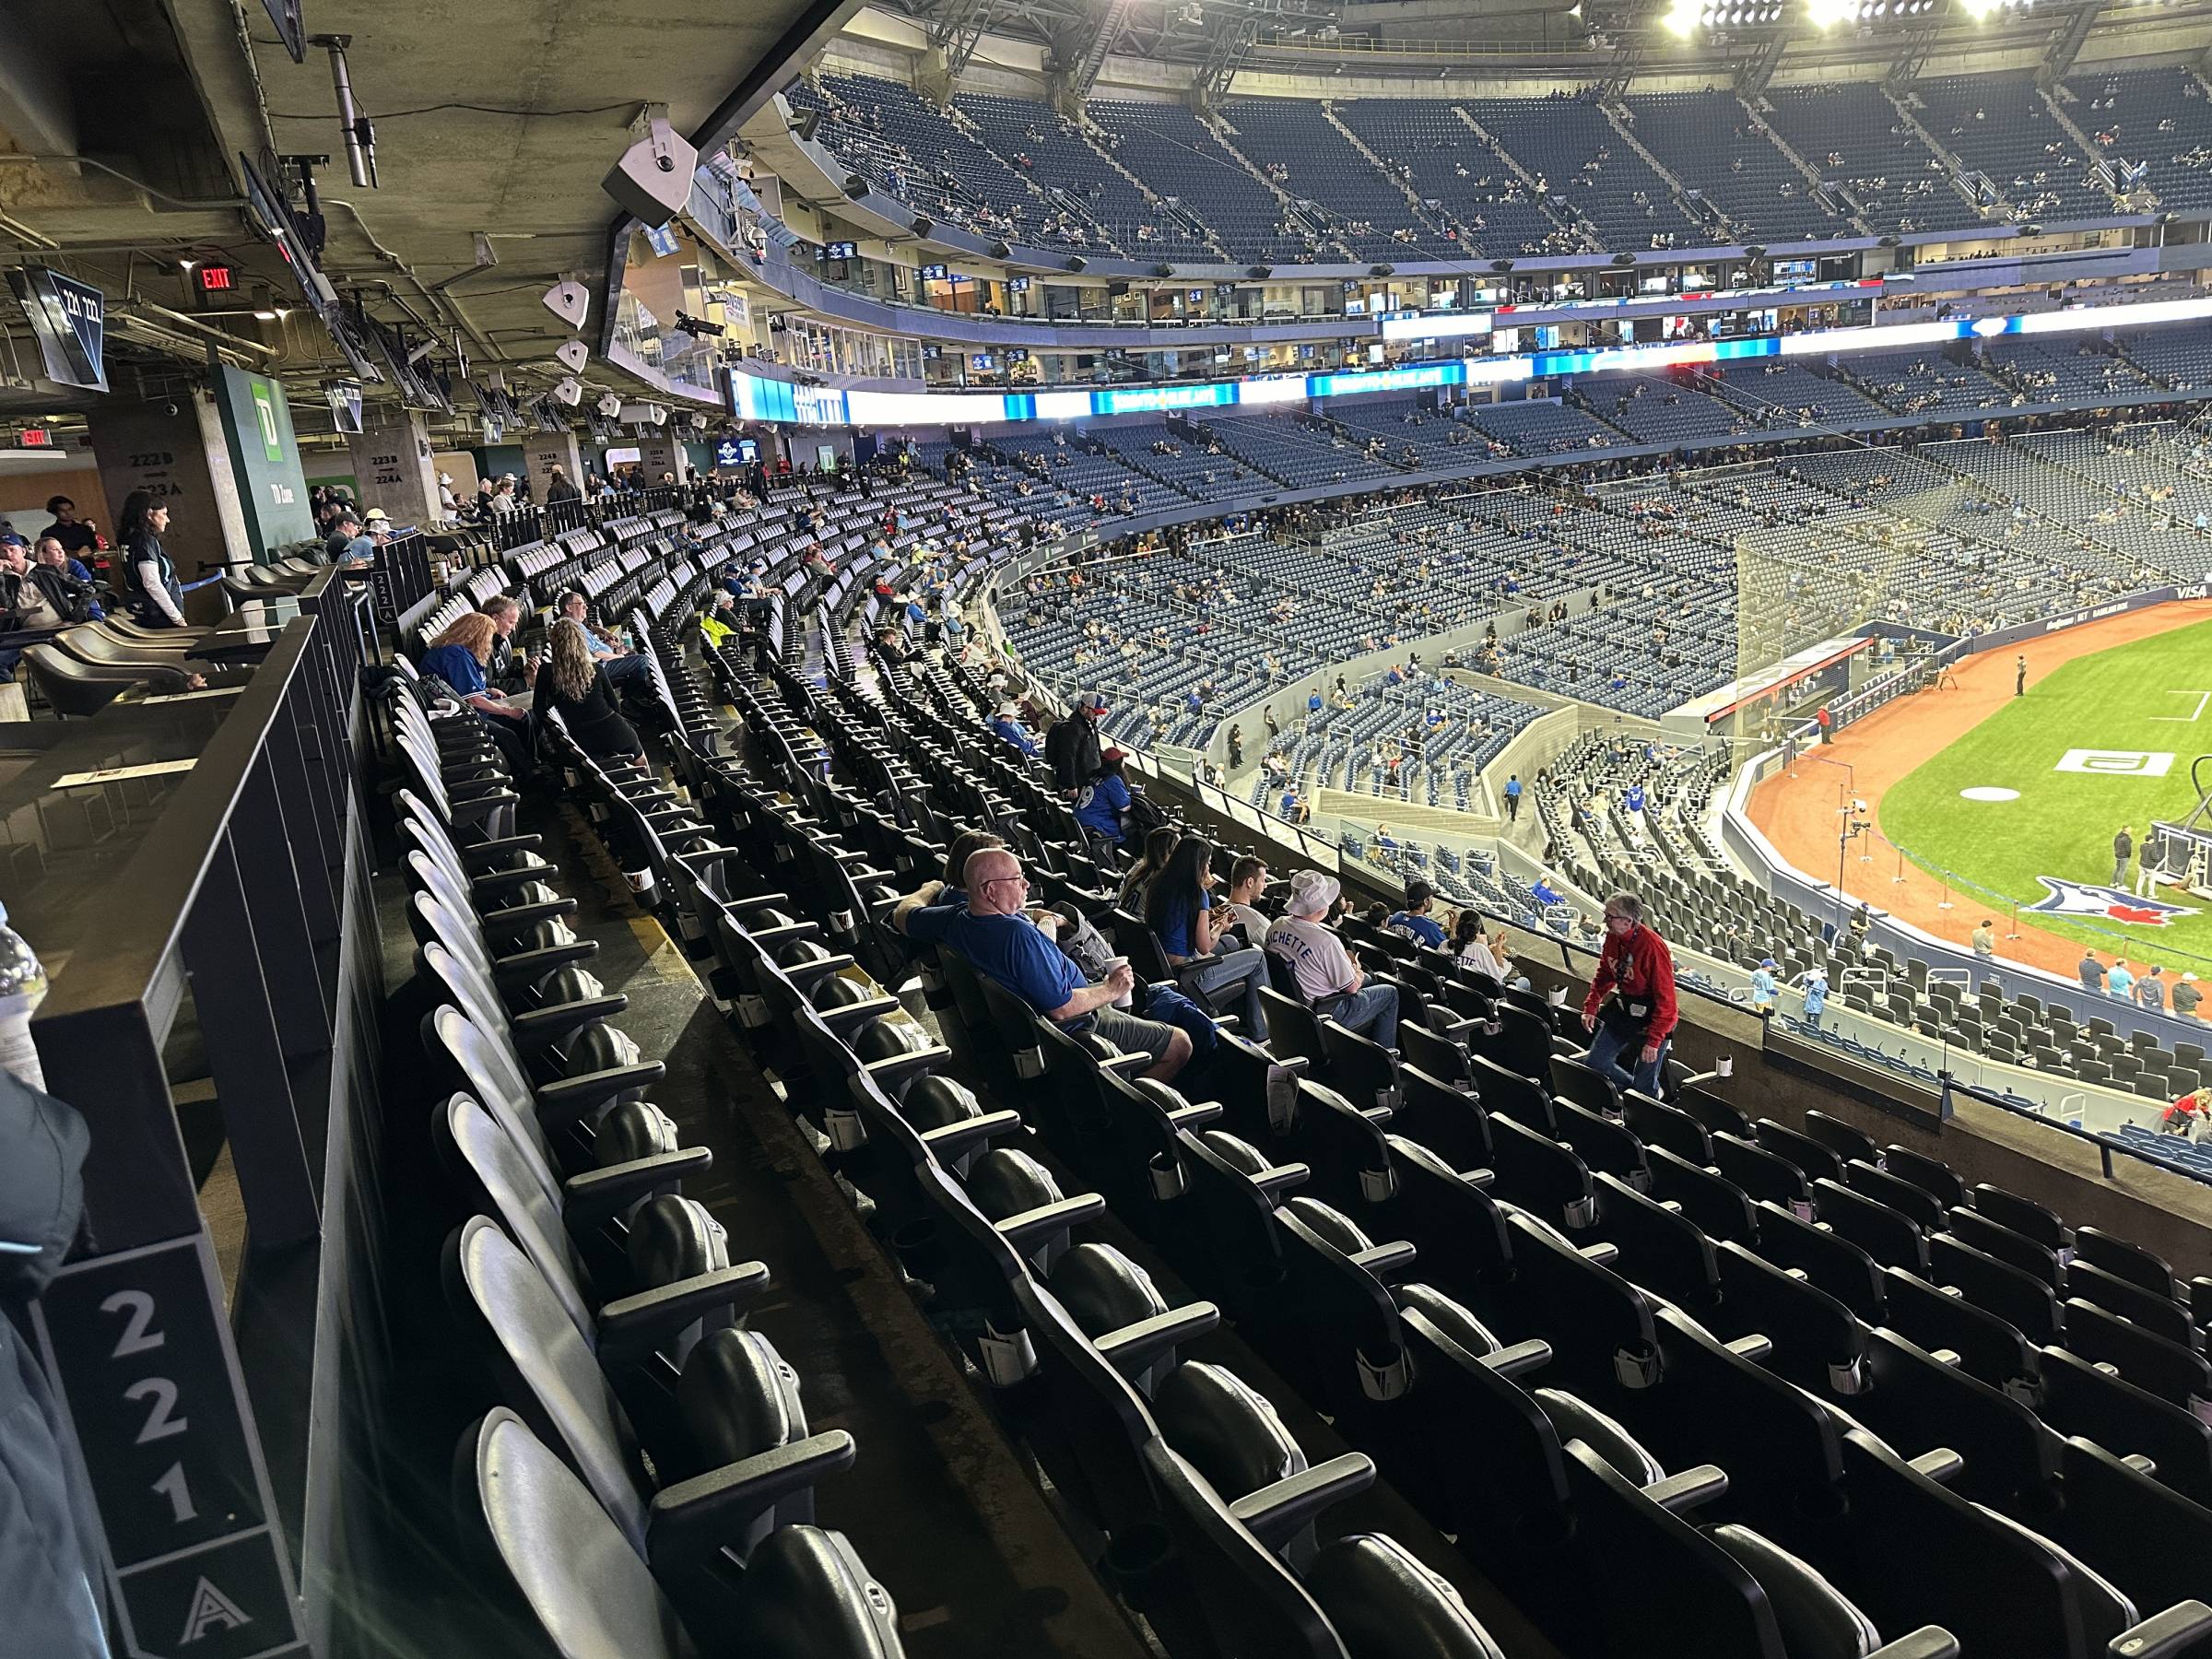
x,y
1681,19
1826,14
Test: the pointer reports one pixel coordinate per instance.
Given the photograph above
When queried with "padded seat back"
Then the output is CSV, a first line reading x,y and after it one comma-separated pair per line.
x,y
581,1577
547,1373
1385,1605
515,1193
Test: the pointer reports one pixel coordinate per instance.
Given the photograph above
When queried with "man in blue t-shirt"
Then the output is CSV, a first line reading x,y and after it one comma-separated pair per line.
x,y
996,938
1512,798
1415,922
1006,724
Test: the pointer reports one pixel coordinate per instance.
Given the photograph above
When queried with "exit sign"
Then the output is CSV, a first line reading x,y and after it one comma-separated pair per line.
x,y
217,278
35,437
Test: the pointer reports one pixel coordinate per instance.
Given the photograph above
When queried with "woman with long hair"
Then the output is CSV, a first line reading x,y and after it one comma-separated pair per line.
x,y
1181,912
573,682
1159,846
457,657
148,577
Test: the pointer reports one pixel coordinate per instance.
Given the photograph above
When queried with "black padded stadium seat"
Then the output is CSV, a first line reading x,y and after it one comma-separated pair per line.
x,y
2082,1398
1815,1158
1840,1137
805,1590
633,1276
1761,1174
734,1417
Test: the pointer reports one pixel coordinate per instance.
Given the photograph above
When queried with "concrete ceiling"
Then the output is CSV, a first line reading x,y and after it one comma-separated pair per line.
x,y
493,117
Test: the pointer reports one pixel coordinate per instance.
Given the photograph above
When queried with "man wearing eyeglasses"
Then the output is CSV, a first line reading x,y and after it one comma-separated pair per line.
x,y
991,932
1631,1007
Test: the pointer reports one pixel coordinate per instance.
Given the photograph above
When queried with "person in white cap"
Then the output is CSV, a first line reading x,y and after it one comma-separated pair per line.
x,y
446,504
1328,980
1006,724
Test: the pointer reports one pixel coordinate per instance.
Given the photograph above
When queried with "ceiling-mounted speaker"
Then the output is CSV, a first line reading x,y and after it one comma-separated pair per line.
x,y
652,180
857,187
573,355
568,390
923,224
804,127
1001,250
1075,262
570,301
610,405
1260,272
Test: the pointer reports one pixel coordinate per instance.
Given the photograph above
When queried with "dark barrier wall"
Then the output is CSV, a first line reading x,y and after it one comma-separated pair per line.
x,y
221,1377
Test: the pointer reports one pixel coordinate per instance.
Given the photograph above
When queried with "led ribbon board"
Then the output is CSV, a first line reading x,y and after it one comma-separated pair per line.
x,y
758,398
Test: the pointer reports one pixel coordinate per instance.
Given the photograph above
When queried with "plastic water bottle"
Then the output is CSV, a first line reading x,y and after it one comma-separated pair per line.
x,y
22,988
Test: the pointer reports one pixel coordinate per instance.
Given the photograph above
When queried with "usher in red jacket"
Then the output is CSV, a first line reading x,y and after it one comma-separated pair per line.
x,y
1637,965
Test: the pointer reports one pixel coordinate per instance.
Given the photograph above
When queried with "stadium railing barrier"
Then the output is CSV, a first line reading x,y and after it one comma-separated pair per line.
x,y
223,1372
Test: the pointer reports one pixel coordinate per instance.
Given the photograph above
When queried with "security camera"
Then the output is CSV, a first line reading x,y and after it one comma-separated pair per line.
x,y
568,390
573,355
570,301
653,180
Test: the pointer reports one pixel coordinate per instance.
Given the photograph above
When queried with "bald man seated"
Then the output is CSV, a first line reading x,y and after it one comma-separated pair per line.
x,y
993,934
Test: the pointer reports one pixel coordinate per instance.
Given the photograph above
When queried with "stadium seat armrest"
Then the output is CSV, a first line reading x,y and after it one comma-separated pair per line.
x,y
535,1029
691,1520
1940,1466
955,1140
514,918
487,887
1753,1347
2182,1632
1383,1260
474,809
592,1197
849,1018
568,1099
892,1074
1518,1358
1134,1346
1276,1514
630,1326
749,905
485,854
1032,1225
706,859
1281,1178
1195,1115
1932,1642
1603,1254
1377,1115
1678,1494
1127,1066
526,967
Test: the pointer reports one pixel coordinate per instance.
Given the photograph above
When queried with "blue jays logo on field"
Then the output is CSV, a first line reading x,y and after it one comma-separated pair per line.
x,y
2063,898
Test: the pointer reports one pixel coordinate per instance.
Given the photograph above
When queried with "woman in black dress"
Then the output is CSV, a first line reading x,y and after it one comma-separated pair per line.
x,y
576,685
